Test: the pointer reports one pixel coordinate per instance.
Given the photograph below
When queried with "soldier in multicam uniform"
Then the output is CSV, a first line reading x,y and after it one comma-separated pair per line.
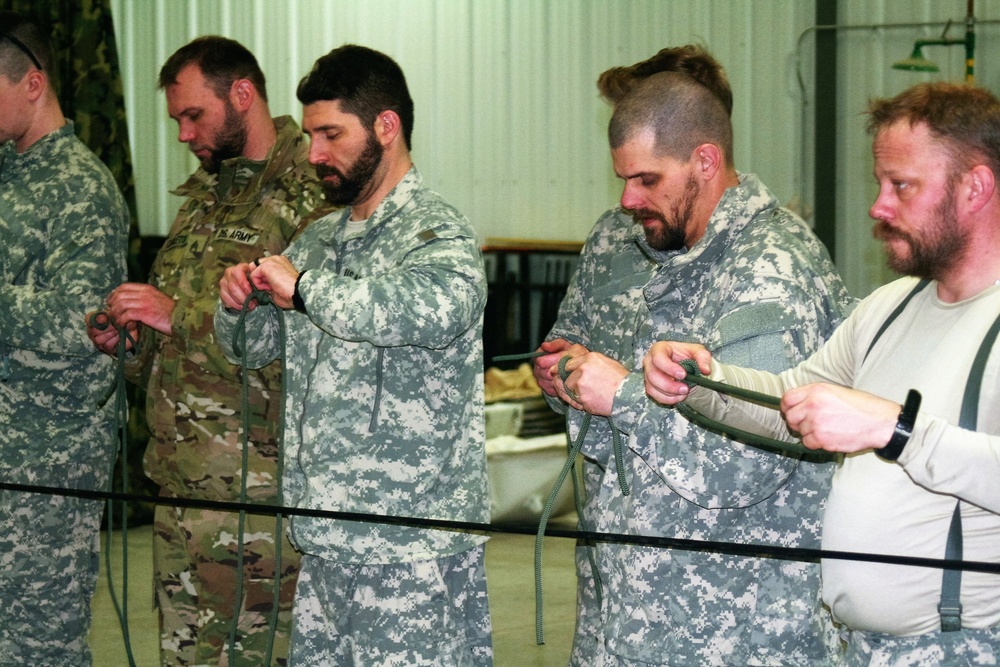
x,y
385,406
734,267
63,235
254,192
909,469
607,289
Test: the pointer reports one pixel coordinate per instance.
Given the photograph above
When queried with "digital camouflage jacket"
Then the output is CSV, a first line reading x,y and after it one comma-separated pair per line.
x,y
758,287
63,235
248,210
384,412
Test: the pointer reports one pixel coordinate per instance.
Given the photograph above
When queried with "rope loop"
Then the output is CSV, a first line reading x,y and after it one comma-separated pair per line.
x,y
694,377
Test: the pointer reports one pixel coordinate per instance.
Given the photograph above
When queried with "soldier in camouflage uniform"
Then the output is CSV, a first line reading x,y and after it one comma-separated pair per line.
x,y
254,192
385,406
63,235
614,266
735,268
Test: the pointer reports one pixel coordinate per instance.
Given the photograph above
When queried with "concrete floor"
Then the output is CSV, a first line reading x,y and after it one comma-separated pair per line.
x,y
510,576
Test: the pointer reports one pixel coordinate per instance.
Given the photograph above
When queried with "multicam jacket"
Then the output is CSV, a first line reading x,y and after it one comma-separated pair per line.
x,y
63,236
760,288
384,412
248,210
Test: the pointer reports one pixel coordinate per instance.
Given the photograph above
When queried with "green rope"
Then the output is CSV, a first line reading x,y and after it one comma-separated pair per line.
x,y
239,348
695,377
574,450
570,464
518,357
102,321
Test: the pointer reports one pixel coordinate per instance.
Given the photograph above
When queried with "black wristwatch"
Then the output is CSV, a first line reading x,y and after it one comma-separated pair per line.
x,y
904,428
297,302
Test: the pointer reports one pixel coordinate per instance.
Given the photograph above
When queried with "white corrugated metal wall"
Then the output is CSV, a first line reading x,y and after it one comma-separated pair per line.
x,y
509,126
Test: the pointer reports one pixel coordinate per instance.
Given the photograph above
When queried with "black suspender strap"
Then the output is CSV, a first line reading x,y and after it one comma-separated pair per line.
x,y
924,282
950,607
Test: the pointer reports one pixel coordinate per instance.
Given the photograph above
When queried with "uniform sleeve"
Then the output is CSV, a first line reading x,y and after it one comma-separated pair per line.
x,y
433,295
945,458
84,260
833,362
263,339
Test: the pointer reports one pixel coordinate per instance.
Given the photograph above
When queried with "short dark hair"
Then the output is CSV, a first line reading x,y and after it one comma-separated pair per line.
x,y
692,59
365,81
964,118
23,44
682,113
221,60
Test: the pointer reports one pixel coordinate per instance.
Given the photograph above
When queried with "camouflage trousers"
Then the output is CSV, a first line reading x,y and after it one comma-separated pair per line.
x,y
49,548
966,648
588,636
419,614
195,582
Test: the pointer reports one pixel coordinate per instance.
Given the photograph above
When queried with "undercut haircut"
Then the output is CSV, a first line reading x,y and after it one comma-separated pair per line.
x,y
964,119
617,82
365,82
22,44
681,113
222,62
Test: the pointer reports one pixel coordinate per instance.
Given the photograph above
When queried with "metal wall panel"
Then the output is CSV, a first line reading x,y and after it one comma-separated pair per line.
x,y
509,126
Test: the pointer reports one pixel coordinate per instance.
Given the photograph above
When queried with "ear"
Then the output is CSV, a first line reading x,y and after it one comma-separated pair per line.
x,y
388,126
979,187
242,94
707,160
37,83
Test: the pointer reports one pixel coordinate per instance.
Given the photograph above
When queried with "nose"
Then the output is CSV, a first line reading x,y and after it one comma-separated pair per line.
x,y
630,198
316,153
185,132
881,209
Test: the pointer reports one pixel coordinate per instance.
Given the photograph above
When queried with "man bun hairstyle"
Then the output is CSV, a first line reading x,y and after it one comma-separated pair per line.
x,y
615,83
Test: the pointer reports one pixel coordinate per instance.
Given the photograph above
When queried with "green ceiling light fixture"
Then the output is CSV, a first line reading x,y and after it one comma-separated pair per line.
x,y
918,63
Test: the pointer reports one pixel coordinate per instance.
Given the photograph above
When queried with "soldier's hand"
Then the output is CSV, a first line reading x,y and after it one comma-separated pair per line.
x,y
235,286
663,373
276,276
140,303
542,365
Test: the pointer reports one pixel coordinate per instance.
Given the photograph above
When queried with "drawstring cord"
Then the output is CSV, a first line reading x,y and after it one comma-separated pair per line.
x,y
239,349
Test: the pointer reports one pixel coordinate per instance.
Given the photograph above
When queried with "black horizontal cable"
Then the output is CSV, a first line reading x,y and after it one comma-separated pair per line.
x,y
730,548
